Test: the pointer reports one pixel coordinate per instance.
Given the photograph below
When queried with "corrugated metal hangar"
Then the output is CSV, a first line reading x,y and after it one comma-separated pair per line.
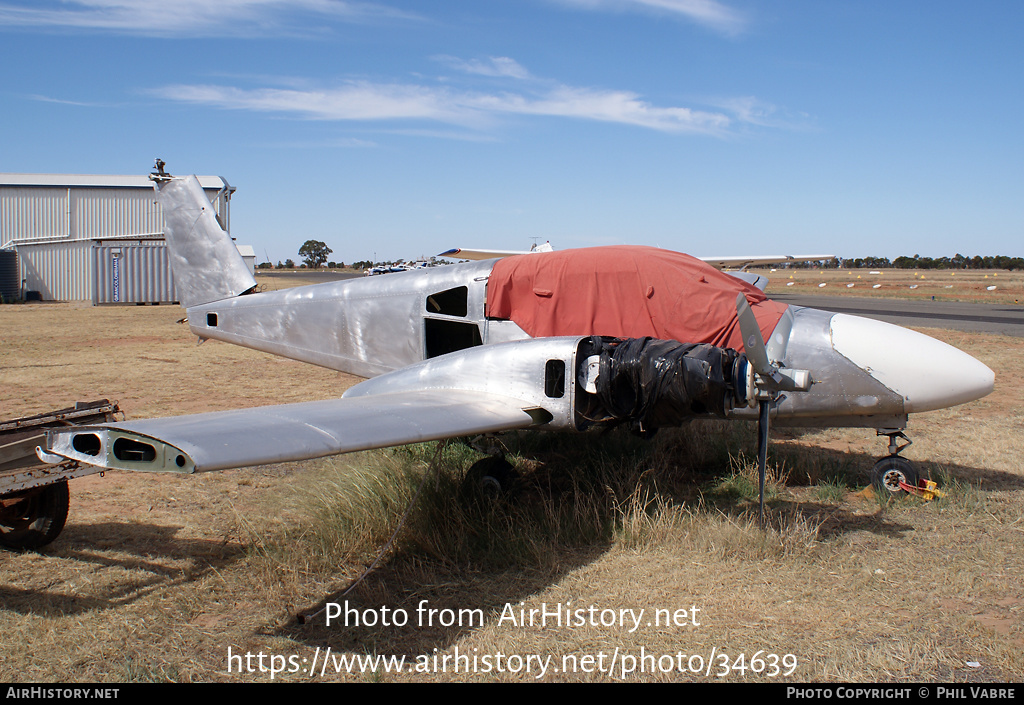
x,y
94,238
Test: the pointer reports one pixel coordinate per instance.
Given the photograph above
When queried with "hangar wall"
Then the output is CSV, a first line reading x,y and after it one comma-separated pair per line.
x,y
59,271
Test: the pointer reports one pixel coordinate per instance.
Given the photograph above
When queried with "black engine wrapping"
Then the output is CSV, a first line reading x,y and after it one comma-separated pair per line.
x,y
651,383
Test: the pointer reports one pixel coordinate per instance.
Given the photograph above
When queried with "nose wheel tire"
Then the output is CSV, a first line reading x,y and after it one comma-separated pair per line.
x,y
890,471
34,518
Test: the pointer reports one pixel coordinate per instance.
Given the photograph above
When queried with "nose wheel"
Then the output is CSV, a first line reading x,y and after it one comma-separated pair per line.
x,y
890,471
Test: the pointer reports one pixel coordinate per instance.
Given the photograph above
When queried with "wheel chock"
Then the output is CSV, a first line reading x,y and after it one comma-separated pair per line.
x,y
927,489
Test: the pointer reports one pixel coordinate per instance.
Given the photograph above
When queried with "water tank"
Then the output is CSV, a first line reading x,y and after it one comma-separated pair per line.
x,y
10,282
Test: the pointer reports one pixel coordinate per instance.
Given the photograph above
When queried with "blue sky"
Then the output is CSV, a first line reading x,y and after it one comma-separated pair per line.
x,y
401,129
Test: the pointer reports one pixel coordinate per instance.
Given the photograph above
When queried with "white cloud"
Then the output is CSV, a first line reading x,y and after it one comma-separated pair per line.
x,y
751,111
608,106
61,101
189,17
356,100
709,13
365,101
497,66
338,143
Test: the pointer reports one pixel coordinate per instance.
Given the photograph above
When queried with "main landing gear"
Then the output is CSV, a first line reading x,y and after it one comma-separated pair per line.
x,y
492,476
890,471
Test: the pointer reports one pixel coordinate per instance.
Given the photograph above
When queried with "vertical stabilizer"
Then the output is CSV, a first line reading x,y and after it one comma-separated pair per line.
x,y
205,262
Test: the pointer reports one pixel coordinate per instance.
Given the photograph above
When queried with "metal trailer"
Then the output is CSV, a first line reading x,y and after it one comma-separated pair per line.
x,y
34,494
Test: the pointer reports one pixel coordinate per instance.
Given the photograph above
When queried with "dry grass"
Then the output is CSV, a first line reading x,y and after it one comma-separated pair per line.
x,y
156,577
944,285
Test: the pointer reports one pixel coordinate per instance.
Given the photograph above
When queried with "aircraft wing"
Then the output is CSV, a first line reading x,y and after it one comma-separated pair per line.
x,y
289,432
718,262
742,262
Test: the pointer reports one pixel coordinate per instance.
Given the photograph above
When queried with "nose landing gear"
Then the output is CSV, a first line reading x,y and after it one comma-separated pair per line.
x,y
893,470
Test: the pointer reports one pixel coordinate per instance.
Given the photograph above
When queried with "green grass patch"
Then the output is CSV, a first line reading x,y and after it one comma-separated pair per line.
x,y
831,490
575,492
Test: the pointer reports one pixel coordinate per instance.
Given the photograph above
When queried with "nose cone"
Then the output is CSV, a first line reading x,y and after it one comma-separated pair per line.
x,y
926,372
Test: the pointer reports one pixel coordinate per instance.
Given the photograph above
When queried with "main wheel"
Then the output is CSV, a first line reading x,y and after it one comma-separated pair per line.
x,y
492,476
31,519
890,471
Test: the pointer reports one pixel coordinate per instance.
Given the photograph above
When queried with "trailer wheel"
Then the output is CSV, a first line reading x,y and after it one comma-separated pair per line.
x,y
31,519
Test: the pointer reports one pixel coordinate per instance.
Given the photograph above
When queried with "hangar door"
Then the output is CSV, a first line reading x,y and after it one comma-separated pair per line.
x,y
136,274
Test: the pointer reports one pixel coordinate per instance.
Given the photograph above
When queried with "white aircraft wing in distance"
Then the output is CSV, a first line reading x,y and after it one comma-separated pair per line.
x,y
744,262
735,262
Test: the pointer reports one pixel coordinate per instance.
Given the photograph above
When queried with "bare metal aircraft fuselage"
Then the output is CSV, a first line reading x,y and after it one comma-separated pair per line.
x,y
440,366
375,326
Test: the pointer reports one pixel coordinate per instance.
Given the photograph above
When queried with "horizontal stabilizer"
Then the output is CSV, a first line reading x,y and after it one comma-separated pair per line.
x,y
205,262
289,432
459,253
750,278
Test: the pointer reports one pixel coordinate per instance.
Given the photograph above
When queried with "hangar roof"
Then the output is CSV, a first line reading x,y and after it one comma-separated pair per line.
x,y
98,180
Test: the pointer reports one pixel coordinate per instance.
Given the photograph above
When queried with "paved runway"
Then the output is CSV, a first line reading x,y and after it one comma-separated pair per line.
x,y
1007,319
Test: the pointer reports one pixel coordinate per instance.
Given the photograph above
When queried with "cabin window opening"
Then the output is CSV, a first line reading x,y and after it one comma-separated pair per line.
x,y
554,379
451,302
443,337
211,320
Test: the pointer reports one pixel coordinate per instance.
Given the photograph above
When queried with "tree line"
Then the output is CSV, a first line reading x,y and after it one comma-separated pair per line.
x,y
315,254
957,261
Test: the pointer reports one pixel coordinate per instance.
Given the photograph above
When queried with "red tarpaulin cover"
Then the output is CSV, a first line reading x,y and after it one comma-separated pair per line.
x,y
625,292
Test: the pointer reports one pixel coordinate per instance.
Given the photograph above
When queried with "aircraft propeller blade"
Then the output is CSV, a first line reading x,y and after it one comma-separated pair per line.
x,y
757,354
763,425
770,381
